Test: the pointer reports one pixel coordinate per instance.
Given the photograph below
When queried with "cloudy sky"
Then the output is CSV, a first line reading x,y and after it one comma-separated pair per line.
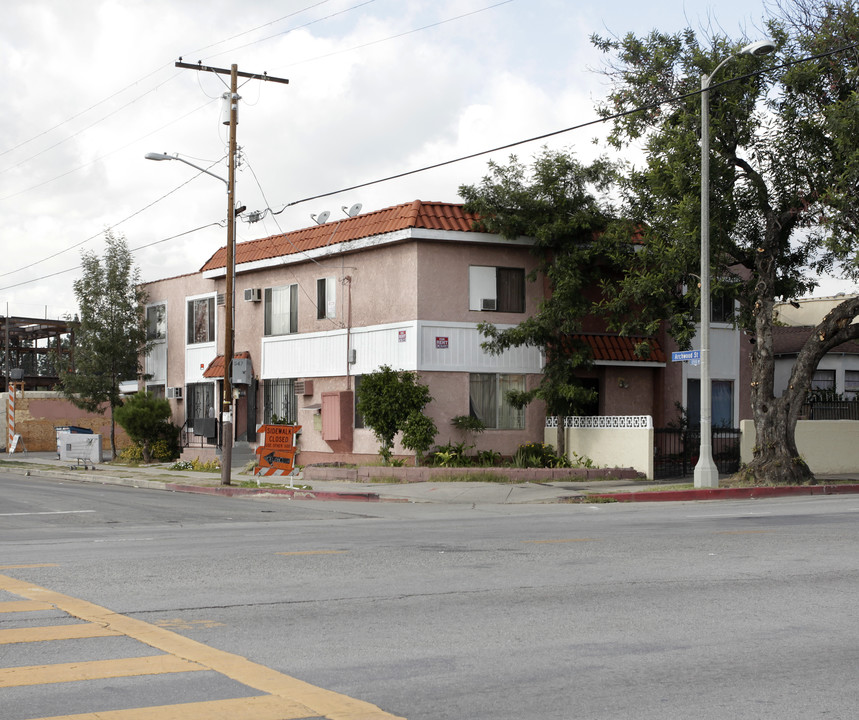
x,y
377,88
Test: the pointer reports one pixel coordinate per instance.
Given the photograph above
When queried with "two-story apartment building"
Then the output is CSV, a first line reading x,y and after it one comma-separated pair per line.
x,y
405,286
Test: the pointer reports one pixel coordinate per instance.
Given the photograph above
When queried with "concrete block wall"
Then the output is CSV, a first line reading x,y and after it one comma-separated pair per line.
x,y
37,414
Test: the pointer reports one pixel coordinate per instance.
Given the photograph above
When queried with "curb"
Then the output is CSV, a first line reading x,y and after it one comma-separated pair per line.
x,y
752,493
227,491
293,494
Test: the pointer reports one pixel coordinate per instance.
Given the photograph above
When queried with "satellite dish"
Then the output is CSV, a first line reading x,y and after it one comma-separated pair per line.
x,y
354,210
322,218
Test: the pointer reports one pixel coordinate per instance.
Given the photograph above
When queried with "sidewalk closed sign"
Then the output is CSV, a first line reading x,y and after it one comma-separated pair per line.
x,y
276,451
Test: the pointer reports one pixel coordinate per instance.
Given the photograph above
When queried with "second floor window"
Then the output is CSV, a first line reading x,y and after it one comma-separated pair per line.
x,y
156,322
281,310
326,306
201,320
496,288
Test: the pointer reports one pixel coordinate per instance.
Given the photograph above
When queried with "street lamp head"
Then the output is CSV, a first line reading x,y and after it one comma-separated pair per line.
x,y
158,156
761,47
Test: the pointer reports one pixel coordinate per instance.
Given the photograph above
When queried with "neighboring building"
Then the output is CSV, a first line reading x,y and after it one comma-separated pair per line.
x,y
838,372
405,286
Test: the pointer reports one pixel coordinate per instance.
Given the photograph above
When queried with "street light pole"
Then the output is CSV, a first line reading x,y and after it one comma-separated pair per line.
x,y
226,425
706,473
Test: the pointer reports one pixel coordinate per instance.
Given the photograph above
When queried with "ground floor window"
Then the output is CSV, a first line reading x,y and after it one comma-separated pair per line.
x,y
488,400
279,403
722,403
156,391
199,401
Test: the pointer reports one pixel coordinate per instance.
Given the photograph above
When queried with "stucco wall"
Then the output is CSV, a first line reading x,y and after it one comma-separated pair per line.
x,y
829,447
614,447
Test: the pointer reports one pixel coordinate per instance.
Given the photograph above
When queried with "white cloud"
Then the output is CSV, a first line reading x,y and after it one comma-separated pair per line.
x,y
91,87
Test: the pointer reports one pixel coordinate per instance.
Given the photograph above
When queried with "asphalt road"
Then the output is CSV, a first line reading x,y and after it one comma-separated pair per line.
x,y
429,612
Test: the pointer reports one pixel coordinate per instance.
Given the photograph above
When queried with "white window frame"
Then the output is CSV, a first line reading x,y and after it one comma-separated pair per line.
x,y
326,298
286,320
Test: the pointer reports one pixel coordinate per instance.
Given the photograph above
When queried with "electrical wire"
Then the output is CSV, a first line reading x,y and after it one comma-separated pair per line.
x,y
140,247
111,227
137,82
293,29
580,126
102,157
609,118
394,37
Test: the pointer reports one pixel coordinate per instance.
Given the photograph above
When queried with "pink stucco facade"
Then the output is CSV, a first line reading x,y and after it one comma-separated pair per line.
x,y
407,295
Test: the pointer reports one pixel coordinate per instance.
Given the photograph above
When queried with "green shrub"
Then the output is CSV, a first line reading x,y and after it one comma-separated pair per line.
x,y
132,455
540,455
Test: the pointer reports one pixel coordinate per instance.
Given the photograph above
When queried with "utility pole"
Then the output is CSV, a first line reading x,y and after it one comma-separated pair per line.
x,y
229,292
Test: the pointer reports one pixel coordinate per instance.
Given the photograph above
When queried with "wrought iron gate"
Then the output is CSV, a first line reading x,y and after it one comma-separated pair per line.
x,y
676,451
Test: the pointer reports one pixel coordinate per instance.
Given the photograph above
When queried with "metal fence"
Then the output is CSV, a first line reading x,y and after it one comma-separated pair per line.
x,y
830,410
676,451
201,432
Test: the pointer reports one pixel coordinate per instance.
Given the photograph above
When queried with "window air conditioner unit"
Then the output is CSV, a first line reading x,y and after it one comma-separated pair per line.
x,y
488,304
174,393
253,295
304,387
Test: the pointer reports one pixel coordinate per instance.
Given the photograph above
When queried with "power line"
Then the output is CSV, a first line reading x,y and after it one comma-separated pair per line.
x,y
140,247
111,227
580,126
507,146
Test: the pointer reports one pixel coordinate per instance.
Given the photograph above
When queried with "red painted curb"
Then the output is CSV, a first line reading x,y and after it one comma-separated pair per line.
x,y
727,493
295,494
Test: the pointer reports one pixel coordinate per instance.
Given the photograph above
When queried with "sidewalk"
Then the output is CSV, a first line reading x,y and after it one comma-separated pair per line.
x,y
160,477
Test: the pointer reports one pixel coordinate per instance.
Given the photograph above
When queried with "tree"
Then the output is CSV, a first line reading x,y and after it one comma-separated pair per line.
x,y
111,337
554,202
392,401
146,419
784,177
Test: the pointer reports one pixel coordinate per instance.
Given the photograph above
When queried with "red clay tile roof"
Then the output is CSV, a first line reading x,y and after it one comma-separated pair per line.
x,y
216,367
620,349
417,214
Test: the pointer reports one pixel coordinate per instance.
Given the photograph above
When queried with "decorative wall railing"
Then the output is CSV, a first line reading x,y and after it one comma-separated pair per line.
x,y
602,421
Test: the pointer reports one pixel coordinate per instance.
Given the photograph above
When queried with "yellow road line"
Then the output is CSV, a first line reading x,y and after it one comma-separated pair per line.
x,y
563,540
252,708
94,670
313,552
55,632
317,702
13,606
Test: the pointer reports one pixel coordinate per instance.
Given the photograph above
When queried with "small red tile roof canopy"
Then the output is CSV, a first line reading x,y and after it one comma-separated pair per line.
x,y
216,367
417,214
620,349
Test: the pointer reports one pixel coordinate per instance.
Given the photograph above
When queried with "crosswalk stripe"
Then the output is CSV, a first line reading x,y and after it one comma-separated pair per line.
x,y
314,701
55,632
266,707
95,670
13,606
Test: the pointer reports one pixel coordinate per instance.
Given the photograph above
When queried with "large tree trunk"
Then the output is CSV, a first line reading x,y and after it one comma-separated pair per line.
x,y
776,459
